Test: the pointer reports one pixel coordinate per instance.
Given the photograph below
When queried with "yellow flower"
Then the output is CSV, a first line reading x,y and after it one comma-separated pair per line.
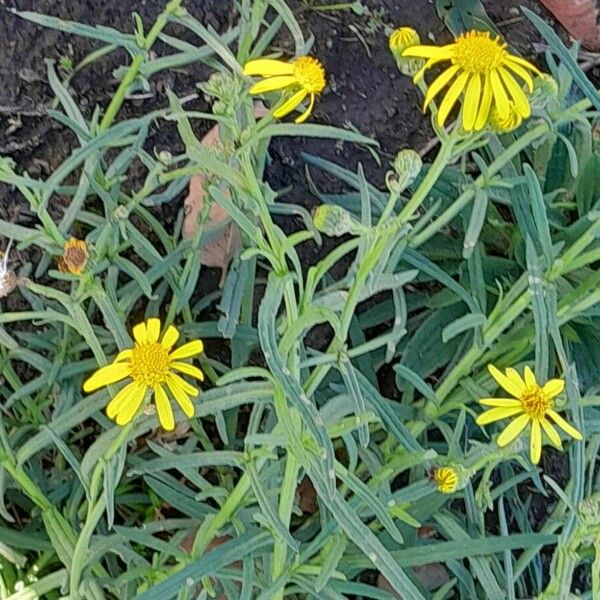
x,y
445,479
151,364
74,258
532,404
304,76
484,70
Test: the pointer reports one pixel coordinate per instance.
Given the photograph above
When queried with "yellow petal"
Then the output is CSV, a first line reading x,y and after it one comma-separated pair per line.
x,y
514,376
472,102
500,96
308,111
512,430
188,369
495,414
505,382
530,380
517,94
501,402
521,72
439,52
523,63
486,103
107,375
181,397
189,389
124,355
430,63
140,333
290,104
119,401
268,67
566,427
163,408
170,337
451,97
553,387
153,330
130,408
273,83
551,433
438,84
535,442
187,350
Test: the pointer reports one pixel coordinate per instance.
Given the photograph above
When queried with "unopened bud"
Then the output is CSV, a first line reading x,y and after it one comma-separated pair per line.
x,y
334,220
545,92
450,478
401,39
407,165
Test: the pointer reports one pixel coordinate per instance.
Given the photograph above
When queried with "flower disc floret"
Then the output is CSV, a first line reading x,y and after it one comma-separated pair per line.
x,y
149,364
304,76
477,52
532,405
310,74
152,365
482,74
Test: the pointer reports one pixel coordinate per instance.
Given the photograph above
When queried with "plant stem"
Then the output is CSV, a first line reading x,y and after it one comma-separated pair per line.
x,y
135,66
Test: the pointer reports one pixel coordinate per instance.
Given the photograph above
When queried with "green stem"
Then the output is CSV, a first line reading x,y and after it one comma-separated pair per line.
x,y
135,66
95,510
433,174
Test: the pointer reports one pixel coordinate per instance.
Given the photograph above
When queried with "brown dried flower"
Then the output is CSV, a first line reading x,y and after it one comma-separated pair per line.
x,y
75,257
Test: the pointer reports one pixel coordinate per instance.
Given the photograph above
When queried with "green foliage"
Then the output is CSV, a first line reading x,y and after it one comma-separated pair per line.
x,y
307,466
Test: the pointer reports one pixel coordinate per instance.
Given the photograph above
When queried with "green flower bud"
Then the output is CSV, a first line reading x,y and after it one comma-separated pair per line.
x,y
334,220
401,39
408,165
589,511
545,92
227,90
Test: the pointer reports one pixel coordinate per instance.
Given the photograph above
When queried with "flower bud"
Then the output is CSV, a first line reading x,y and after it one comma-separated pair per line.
x,y
407,165
401,39
334,220
505,124
450,478
545,92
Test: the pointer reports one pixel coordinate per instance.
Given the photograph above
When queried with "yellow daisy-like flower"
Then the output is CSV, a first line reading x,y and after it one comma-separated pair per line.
x,y
75,257
151,364
304,76
532,404
484,70
445,479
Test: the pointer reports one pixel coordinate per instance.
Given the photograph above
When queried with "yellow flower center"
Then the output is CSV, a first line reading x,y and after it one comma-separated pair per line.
x,y
535,402
477,52
310,74
149,364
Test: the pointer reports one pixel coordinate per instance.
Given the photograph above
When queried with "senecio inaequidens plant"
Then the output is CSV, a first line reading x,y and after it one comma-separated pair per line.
x,y
351,434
